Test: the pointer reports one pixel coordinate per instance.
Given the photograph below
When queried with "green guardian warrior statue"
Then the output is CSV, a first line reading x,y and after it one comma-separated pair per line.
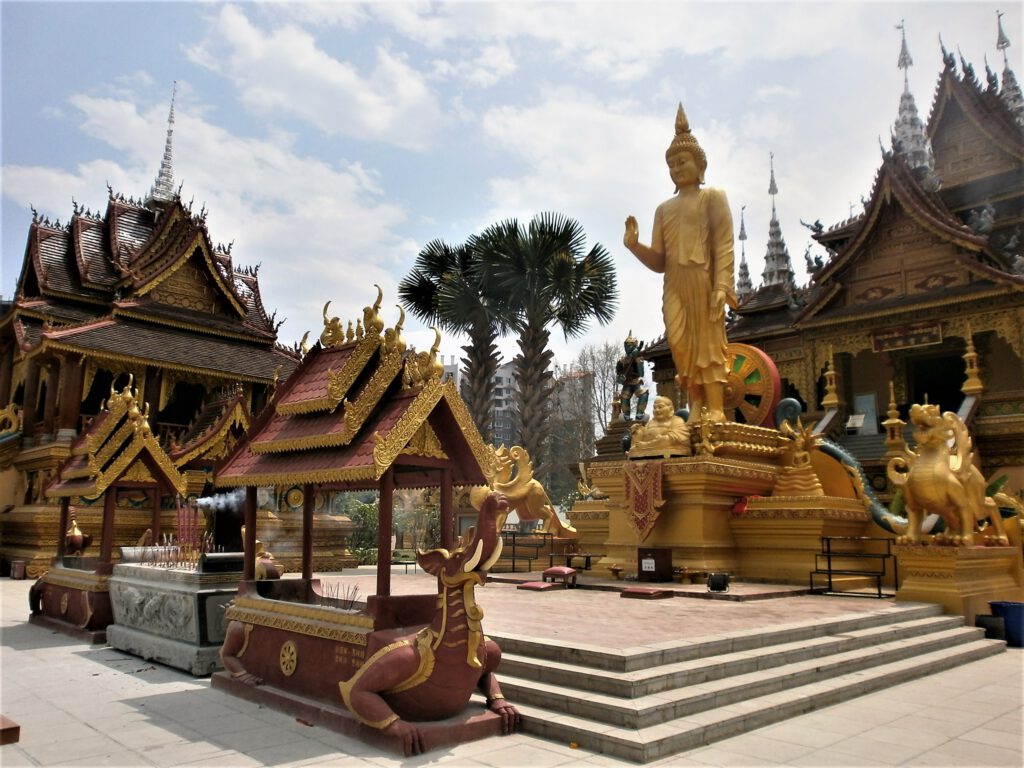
x,y
629,372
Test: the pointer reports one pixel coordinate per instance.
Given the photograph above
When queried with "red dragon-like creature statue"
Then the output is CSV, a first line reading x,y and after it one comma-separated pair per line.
x,y
431,674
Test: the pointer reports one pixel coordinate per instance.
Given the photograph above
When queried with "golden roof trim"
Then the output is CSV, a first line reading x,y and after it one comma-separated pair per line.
x,y
1000,290
236,417
315,477
481,451
72,579
304,611
389,446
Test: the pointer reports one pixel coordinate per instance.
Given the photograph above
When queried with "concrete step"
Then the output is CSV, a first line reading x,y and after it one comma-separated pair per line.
x,y
532,675
725,681
593,657
731,716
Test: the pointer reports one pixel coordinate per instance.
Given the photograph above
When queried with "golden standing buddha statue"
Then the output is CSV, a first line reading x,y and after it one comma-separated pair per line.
x,y
692,245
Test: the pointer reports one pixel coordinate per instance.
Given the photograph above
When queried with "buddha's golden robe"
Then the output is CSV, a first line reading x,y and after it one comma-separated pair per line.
x,y
694,232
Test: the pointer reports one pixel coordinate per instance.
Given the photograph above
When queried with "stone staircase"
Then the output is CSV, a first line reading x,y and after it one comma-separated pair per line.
x,y
644,706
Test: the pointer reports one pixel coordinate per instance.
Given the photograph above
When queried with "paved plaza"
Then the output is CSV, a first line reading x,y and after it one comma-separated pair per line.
x,y
90,706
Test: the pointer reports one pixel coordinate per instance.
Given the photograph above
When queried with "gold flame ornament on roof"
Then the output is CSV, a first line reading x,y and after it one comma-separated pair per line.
x,y
422,368
371,323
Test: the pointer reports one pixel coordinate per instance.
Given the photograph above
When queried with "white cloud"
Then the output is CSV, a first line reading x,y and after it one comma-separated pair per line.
x,y
775,92
284,71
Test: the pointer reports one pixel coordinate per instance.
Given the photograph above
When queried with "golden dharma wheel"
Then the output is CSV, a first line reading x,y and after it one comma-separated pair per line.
x,y
753,386
289,658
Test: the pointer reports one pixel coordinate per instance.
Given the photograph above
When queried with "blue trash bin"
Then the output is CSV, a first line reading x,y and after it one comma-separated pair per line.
x,y
1012,615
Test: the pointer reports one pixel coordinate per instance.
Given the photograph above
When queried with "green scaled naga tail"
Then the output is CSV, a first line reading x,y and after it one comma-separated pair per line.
x,y
885,519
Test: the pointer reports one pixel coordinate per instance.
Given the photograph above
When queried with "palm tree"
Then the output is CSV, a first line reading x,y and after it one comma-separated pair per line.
x,y
544,274
446,287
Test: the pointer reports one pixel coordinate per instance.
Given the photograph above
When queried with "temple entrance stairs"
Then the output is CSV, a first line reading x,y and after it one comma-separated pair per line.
x,y
523,552
647,705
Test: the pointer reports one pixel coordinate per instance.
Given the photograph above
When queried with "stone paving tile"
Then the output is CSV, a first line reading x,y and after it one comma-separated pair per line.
x,y
720,756
971,753
537,755
994,738
58,749
184,753
793,733
882,752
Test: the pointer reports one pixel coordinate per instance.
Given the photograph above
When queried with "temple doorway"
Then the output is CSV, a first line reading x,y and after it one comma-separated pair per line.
x,y
937,378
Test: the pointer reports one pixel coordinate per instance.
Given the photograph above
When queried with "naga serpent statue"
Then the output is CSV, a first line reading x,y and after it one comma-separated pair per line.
x,y
431,674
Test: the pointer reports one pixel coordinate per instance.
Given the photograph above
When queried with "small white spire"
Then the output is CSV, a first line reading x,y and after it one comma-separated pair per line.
x,y
1010,93
744,286
909,138
778,267
163,188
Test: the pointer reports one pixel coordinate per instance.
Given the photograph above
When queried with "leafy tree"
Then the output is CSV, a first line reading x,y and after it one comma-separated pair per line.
x,y
363,540
448,287
544,274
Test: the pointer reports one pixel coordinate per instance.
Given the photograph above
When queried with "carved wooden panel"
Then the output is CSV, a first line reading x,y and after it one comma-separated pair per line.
x,y
189,287
962,151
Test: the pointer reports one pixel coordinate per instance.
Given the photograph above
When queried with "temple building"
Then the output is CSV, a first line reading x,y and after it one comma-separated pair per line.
x,y
919,298
136,296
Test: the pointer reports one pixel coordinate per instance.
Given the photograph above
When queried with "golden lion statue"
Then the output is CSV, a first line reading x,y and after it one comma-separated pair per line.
x,y
943,480
512,475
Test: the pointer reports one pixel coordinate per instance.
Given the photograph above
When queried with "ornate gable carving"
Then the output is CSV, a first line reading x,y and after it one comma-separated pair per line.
x,y
190,288
901,258
963,152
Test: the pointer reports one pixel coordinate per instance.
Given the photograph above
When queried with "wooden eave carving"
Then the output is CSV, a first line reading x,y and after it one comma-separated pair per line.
x,y
984,111
212,441
894,186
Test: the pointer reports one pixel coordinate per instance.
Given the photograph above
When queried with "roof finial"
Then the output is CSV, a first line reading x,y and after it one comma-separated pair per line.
x,y
1002,41
904,62
773,189
163,188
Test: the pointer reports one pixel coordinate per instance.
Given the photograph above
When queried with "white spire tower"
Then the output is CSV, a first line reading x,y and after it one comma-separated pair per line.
x,y
1010,93
778,269
163,188
909,138
743,285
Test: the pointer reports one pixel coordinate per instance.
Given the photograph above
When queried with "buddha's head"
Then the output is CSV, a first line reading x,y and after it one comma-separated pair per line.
x,y
686,160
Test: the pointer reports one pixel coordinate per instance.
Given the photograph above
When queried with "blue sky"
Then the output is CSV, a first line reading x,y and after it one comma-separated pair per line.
x,y
331,141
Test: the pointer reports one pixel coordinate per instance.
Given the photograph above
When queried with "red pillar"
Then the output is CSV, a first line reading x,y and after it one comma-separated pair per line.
x,y
384,522
446,511
65,502
71,396
249,560
308,497
154,525
31,401
107,536
6,372
50,406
